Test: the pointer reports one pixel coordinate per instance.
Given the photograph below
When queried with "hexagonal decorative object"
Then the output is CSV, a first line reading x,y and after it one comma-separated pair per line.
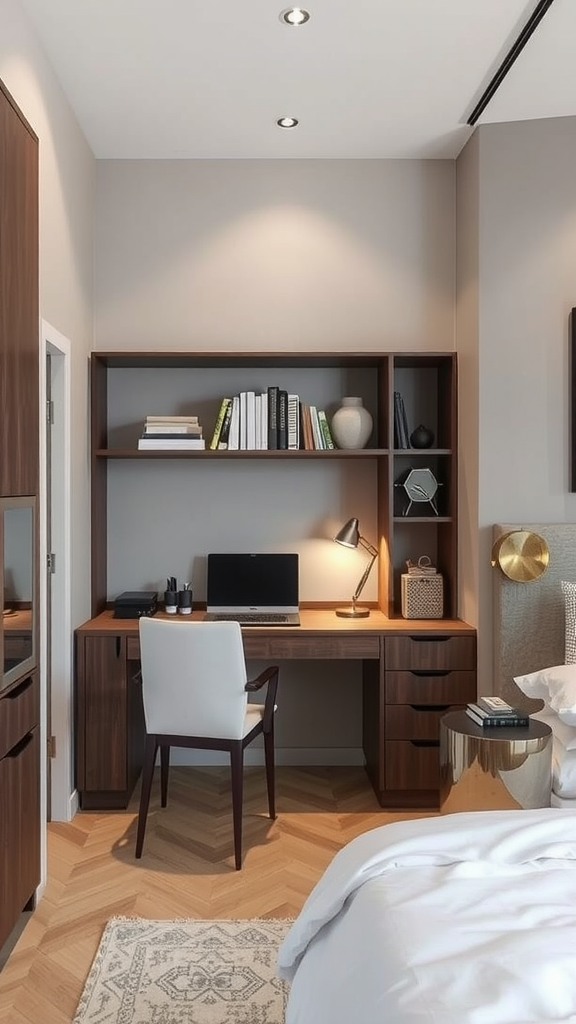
x,y
420,485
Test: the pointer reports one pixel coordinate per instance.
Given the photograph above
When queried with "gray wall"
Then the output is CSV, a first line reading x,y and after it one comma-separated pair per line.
x,y
527,286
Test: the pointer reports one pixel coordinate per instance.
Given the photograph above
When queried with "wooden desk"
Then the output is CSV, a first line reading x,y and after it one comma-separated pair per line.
x,y
413,672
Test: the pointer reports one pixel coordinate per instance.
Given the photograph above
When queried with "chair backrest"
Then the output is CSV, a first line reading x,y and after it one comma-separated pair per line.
x,y
193,678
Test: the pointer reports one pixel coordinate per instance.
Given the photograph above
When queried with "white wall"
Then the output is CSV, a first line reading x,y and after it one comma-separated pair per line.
x,y
66,272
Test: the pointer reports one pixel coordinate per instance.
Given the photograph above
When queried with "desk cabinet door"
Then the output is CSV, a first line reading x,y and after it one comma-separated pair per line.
x,y
102,715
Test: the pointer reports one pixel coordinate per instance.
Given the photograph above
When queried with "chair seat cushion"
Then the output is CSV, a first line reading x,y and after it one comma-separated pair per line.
x,y
254,714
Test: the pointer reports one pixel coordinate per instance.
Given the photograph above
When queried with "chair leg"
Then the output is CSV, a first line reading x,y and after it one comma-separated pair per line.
x,y
270,771
147,776
237,768
164,769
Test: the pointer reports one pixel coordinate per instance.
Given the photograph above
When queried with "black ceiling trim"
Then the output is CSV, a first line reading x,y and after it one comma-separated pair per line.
x,y
515,50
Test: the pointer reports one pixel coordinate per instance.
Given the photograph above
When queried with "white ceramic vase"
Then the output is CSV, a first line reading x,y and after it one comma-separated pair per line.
x,y
351,424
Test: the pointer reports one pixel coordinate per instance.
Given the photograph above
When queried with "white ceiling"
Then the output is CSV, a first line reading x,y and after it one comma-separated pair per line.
x,y
366,78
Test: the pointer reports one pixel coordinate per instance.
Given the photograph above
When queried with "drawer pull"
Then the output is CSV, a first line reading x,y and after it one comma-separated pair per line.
x,y
430,707
20,689
430,639
20,746
422,673
425,743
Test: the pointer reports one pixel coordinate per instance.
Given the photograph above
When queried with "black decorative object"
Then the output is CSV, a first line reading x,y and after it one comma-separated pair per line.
x,y
422,437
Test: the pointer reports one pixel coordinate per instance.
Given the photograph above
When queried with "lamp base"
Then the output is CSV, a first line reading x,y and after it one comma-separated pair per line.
x,y
352,612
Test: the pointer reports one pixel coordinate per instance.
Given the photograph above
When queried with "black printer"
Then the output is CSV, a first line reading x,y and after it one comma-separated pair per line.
x,y
134,603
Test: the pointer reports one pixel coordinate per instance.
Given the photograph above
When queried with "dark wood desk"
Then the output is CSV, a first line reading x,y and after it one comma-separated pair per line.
x,y
414,671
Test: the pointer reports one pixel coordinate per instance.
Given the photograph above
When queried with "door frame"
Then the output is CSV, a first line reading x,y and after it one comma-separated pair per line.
x,y
63,795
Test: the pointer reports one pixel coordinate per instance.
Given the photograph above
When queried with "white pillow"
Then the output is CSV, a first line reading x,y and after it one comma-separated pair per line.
x,y
569,591
565,734
556,686
563,771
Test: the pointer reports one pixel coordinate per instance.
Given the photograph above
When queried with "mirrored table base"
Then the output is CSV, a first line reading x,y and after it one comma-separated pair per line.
x,y
493,769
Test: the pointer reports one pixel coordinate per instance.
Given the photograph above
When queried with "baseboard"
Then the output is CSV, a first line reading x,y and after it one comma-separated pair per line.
x,y
304,756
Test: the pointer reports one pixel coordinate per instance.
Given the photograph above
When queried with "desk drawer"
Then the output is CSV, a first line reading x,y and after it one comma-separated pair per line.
x,y
429,652
302,645
19,713
420,688
416,722
412,764
295,645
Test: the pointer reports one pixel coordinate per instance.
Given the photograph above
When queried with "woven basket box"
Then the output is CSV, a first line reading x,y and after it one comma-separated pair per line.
x,y
422,596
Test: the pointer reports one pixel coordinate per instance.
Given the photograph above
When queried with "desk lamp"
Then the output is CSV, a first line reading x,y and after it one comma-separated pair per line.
x,y
349,537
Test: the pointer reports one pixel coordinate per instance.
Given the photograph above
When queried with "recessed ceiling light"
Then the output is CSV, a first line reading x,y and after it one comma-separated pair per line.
x,y
287,122
294,16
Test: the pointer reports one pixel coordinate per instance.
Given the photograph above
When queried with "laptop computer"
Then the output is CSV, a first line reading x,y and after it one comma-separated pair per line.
x,y
253,589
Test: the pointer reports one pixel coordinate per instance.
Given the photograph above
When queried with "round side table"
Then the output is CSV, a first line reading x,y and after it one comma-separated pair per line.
x,y
494,768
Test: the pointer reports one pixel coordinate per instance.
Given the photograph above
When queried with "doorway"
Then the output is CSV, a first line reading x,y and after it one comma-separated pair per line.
x,y
55,583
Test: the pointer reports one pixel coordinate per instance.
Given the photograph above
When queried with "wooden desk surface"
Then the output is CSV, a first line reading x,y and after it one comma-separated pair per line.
x,y
321,634
313,620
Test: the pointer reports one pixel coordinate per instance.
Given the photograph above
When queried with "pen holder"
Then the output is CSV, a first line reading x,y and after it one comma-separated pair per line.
x,y
185,602
171,602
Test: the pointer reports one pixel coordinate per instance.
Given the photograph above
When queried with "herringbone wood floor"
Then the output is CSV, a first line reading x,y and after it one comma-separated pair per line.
x,y
187,870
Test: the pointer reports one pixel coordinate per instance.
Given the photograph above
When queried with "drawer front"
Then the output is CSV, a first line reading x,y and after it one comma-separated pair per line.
x,y
257,645
416,722
405,652
421,688
19,713
412,764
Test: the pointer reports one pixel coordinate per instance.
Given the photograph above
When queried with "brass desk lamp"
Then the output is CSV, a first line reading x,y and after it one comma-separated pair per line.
x,y
349,537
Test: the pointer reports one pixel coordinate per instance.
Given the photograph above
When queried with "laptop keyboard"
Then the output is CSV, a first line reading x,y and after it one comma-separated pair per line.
x,y
249,619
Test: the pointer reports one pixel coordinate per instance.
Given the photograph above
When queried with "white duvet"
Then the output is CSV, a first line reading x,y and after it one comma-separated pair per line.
x,y
462,919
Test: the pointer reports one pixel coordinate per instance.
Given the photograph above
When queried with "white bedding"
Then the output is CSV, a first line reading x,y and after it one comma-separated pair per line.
x,y
462,919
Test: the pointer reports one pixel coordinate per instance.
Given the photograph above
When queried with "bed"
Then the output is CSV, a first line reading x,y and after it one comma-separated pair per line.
x,y
465,918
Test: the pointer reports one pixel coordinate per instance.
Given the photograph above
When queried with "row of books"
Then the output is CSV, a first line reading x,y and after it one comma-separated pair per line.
x,y
171,433
270,420
490,712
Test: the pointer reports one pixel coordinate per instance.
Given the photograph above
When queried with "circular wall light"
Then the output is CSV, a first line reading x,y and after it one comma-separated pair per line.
x,y
294,16
287,122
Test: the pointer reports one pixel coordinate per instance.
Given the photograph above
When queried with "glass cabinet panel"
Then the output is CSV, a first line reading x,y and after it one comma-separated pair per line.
x,y
19,588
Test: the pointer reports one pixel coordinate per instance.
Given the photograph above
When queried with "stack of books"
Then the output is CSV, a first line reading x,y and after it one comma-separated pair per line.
x,y
171,433
493,711
273,420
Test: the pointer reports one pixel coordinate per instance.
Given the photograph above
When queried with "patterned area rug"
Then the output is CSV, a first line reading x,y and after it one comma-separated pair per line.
x,y
185,972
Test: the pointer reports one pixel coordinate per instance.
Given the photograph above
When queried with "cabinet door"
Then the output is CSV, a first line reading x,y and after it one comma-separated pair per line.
x,y
19,830
102,715
19,317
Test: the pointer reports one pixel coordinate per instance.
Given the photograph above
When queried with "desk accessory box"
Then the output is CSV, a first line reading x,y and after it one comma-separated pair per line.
x,y
132,604
422,591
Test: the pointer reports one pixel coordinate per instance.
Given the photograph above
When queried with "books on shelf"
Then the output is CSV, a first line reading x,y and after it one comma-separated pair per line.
x,y
171,443
174,444
224,405
271,420
488,719
401,435
168,433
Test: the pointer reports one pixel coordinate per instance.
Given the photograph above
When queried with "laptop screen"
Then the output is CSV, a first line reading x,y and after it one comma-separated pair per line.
x,y
252,582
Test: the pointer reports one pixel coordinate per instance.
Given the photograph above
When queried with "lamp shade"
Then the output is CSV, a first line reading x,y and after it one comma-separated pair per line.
x,y
349,535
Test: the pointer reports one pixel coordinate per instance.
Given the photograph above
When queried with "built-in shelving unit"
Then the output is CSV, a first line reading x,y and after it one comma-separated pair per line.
x,y
427,382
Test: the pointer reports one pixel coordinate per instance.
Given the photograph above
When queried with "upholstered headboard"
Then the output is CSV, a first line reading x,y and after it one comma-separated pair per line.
x,y
529,617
